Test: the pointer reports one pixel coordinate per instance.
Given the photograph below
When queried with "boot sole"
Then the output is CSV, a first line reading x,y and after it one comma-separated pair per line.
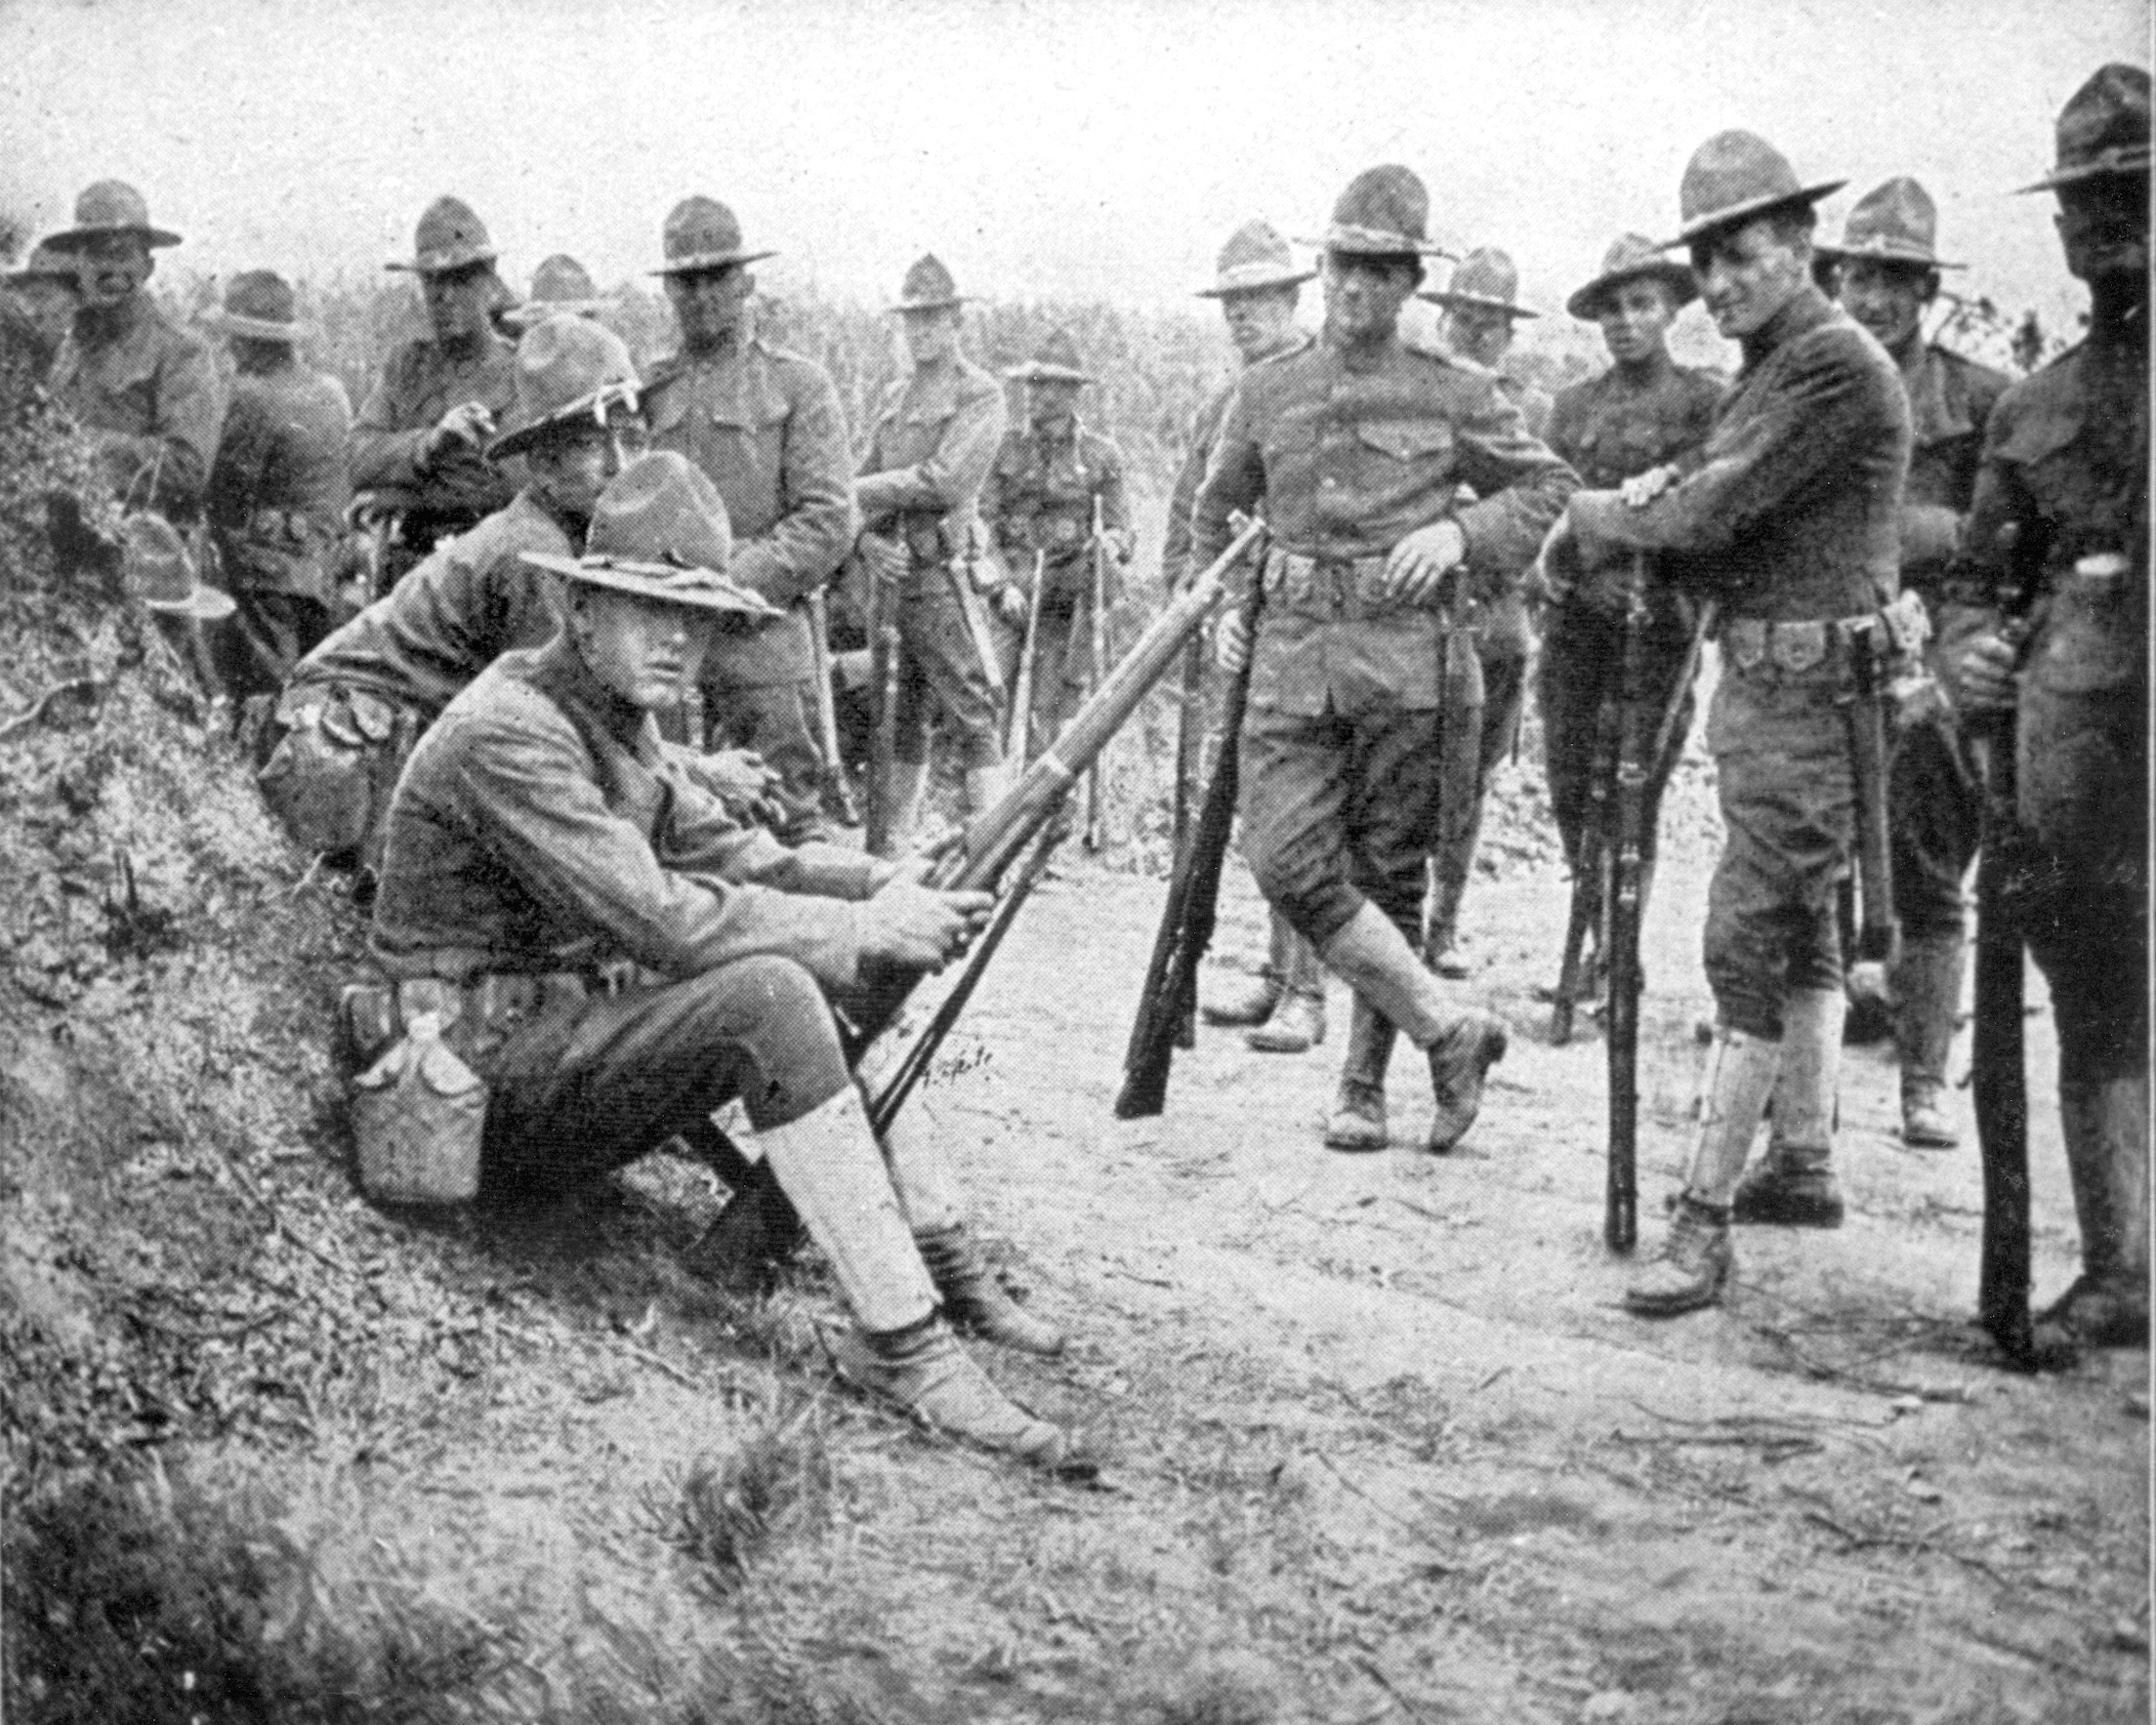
x,y
1259,1042
1358,1142
1676,1306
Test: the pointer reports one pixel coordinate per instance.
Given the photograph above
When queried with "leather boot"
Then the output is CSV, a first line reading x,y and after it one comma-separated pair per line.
x,y
1691,1269
923,1369
1928,998
973,1300
1254,1002
1441,930
2105,1125
1357,1120
1297,1021
1794,1187
1373,957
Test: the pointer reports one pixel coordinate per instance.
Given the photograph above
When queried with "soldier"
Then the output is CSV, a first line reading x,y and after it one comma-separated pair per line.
x,y
1888,272
1480,308
2062,498
1357,447
617,959
1257,285
277,489
1048,479
46,288
1643,412
358,702
935,438
143,389
1792,511
560,286
766,428
418,451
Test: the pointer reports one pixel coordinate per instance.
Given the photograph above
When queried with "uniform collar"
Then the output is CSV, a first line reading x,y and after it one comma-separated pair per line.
x,y
558,671
106,326
1805,309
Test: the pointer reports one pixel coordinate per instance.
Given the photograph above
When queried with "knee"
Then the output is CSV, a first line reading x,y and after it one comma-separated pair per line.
x,y
775,1010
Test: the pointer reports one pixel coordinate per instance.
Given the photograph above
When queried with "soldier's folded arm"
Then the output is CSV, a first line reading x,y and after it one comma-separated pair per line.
x,y
815,529
1520,486
1827,395
543,819
703,840
954,474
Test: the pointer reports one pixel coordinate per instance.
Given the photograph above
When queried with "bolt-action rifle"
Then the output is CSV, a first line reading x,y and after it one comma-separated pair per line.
x,y
1018,723
1096,658
884,667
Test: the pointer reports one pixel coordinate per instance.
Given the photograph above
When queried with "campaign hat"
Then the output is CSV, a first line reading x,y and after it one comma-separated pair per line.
x,y
929,287
1485,280
259,306
1384,213
1632,257
567,368
1734,176
702,233
2102,130
46,263
560,285
659,530
110,206
156,566
1054,361
1254,259
451,236
1895,223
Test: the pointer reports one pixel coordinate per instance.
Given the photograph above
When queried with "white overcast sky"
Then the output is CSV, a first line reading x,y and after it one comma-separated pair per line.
x,y
1044,147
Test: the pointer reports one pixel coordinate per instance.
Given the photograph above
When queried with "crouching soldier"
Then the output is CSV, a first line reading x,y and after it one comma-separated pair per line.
x,y
541,840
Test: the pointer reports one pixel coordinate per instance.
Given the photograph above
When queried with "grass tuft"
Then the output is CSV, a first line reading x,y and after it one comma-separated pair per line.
x,y
730,1507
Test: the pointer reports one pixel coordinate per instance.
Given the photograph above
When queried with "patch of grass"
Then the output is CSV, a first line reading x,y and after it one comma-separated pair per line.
x,y
730,1507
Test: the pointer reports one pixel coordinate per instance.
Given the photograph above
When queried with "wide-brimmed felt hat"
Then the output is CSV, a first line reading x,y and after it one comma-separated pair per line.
x,y
560,285
1632,257
929,287
1895,223
46,263
158,568
1384,213
111,206
2103,129
1255,258
659,530
1054,361
1486,280
567,368
702,233
259,306
451,236
1735,176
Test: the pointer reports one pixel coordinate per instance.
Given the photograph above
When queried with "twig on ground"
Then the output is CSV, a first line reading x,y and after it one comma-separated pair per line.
x,y
36,710
1857,1542
1443,1566
1386,1683
279,1219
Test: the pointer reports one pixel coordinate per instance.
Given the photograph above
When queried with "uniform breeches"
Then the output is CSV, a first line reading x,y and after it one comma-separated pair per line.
x,y
267,635
1337,810
1935,818
779,722
941,668
590,1086
1781,755
1582,666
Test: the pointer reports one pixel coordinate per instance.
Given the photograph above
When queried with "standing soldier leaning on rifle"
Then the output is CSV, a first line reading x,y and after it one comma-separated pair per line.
x,y
1643,412
935,438
418,451
1790,513
2062,506
1258,286
1887,275
277,489
1357,447
1481,307
766,428
1053,479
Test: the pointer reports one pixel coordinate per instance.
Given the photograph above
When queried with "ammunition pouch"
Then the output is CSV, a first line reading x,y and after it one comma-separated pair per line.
x,y
329,778
1826,649
418,1120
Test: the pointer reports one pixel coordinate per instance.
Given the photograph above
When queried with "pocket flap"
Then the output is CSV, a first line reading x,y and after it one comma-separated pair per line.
x,y
1406,439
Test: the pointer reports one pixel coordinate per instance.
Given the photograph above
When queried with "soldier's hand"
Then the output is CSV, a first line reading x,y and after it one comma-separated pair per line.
x,y
884,557
1419,562
1983,674
1642,489
1011,603
468,423
737,777
1929,534
1231,643
1120,542
919,928
1557,568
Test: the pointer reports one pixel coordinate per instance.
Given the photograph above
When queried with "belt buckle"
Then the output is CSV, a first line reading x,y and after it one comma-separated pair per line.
x,y
1797,647
1747,642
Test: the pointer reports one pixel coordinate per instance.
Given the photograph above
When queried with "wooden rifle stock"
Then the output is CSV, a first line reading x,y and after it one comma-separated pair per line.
x,y
1621,908
1096,657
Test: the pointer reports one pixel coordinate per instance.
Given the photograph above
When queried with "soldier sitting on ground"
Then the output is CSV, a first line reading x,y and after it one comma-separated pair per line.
x,y
616,958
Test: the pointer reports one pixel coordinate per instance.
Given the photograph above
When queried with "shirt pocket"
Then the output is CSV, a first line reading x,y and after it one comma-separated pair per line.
x,y
1419,445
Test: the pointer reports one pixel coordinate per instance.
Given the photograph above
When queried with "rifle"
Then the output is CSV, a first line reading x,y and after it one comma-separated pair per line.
x,y
884,667
1017,723
1170,993
993,840
1878,934
827,709
1621,911
1190,762
1590,869
1096,657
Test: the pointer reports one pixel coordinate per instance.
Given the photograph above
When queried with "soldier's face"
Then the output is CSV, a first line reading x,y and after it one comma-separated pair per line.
x,y
1476,333
2104,225
1636,318
571,468
1050,403
710,305
645,651
458,302
1363,295
1747,275
114,266
1259,321
1887,299
931,336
